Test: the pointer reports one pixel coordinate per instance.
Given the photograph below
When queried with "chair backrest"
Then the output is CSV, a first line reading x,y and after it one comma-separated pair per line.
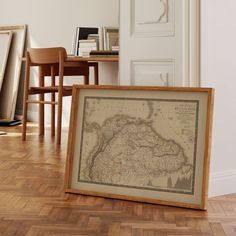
x,y
42,56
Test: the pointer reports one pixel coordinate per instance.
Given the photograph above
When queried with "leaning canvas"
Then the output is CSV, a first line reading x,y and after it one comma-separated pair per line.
x,y
148,144
9,91
5,42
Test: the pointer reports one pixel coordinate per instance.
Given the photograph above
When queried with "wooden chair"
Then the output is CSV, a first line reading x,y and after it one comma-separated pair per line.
x,y
51,61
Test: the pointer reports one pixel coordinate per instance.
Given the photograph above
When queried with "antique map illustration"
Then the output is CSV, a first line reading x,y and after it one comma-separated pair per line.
x,y
140,143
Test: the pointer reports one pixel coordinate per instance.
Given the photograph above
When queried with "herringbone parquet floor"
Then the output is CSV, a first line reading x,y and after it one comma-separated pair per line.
x,y
32,201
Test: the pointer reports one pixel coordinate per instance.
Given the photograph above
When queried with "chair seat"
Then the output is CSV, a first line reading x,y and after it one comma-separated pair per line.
x,y
50,89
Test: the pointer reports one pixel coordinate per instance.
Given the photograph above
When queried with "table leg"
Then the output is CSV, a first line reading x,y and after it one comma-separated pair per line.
x,y
96,82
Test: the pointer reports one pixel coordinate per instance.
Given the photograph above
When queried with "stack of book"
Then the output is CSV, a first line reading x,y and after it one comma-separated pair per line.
x,y
86,46
94,37
102,53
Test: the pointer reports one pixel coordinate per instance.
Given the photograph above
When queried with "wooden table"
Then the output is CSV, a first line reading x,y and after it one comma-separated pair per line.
x,y
93,62
70,69
94,58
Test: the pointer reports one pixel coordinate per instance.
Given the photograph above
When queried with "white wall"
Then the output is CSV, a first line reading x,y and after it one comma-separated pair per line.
x,y
53,23
218,71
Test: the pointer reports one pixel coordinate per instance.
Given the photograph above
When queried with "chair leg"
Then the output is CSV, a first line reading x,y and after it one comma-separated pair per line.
x,y
53,116
53,105
24,125
26,93
59,117
41,106
60,94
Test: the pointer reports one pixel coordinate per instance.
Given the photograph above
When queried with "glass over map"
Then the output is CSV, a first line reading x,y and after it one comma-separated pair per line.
x,y
139,143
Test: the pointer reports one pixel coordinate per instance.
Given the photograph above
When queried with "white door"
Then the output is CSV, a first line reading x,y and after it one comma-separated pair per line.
x,y
159,42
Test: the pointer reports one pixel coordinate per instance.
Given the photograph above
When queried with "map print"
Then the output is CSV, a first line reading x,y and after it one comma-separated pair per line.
x,y
139,143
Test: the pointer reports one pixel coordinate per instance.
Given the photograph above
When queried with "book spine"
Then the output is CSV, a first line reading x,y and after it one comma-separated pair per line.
x,y
82,51
87,41
93,45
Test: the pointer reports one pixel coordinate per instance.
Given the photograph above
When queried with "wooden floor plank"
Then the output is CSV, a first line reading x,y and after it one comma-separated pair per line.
x,y
32,201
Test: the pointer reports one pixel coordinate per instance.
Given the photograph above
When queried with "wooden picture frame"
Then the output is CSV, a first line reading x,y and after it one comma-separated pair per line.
x,y
111,37
148,144
5,42
82,33
9,91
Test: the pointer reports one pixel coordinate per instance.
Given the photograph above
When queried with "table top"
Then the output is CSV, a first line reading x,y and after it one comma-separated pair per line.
x,y
70,58
113,58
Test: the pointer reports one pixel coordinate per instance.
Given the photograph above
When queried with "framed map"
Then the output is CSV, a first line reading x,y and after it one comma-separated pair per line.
x,y
148,144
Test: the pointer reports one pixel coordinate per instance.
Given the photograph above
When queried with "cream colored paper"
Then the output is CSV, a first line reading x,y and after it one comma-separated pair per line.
x,y
141,143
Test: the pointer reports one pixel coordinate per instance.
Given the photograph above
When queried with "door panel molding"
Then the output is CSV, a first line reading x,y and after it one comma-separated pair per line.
x,y
153,72
147,22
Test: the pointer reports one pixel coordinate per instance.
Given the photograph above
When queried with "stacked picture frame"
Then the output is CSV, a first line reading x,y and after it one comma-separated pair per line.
x,y
111,38
5,42
12,43
107,38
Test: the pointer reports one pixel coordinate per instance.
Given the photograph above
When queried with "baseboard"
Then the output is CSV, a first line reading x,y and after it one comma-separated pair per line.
x,y
33,117
222,183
